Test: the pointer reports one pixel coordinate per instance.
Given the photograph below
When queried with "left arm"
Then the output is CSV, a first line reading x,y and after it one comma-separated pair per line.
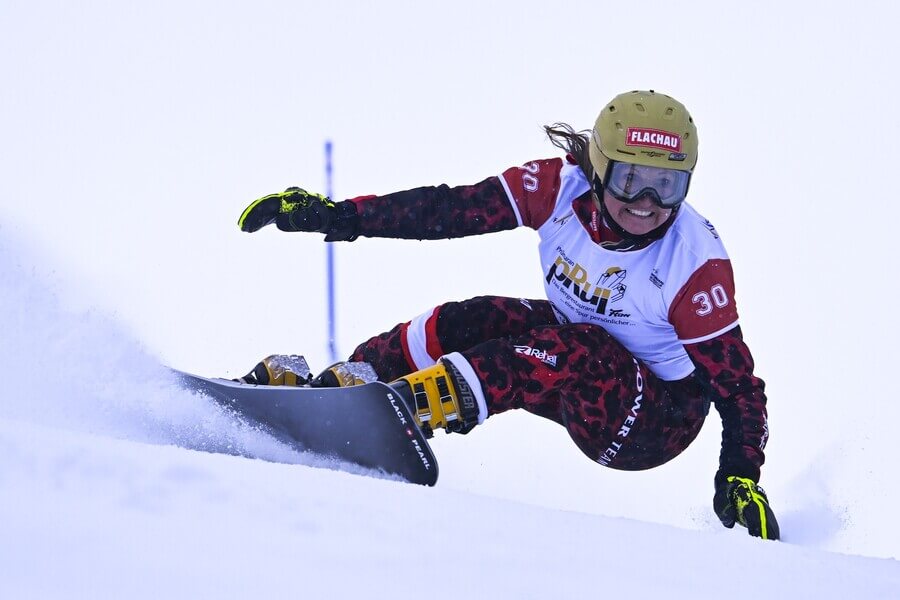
x,y
705,317
725,368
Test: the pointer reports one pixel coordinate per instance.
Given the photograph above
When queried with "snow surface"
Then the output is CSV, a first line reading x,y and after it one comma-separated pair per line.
x,y
113,486
133,134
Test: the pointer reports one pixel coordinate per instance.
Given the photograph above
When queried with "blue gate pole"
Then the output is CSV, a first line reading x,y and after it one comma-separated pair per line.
x,y
329,257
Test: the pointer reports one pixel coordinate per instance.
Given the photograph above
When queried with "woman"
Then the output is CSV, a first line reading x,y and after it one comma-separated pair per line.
x,y
640,330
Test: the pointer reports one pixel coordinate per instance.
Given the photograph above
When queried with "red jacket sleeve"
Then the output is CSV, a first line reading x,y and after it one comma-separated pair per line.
x,y
533,189
705,305
433,213
523,195
725,368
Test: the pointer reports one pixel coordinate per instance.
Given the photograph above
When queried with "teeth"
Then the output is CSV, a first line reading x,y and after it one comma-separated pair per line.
x,y
640,213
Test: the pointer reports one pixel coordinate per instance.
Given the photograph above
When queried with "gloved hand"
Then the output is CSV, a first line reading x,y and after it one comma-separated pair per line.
x,y
740,500
295,209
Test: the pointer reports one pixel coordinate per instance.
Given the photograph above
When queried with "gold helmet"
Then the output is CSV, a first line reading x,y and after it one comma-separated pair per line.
x,y
644,128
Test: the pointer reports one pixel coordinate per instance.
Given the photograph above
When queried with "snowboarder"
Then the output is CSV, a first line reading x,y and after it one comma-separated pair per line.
x,y
639,332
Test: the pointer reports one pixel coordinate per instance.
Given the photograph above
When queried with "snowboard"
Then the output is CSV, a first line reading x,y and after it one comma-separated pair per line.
x,y
368,425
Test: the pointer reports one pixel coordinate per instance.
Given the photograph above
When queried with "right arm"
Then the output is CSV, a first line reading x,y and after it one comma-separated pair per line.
x,y
520,196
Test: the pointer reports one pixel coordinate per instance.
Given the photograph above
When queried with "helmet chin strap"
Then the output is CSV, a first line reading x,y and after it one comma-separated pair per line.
x,y
641,239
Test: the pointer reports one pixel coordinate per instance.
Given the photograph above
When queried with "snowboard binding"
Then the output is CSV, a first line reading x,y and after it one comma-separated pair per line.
x,y
439,397
279,369
293,370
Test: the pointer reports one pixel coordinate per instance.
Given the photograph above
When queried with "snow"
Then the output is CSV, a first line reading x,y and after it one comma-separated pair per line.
x,y
133,136
101,517
116,483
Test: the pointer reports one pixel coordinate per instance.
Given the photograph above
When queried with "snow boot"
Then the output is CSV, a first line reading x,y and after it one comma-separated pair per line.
x,y
447,395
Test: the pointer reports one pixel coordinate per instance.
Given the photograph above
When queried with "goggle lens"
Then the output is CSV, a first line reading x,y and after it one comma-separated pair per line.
x,y
628,183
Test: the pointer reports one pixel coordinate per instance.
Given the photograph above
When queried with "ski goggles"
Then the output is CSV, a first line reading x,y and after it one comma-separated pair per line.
x,y
627,183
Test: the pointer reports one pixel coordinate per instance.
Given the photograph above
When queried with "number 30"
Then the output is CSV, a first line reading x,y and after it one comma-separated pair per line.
x,y
716,296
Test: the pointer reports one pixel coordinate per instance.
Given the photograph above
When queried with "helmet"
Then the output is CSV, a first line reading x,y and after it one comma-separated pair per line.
x,y
644,128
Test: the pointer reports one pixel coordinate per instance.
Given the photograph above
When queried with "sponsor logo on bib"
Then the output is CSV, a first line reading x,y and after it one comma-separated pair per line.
x,y
609,287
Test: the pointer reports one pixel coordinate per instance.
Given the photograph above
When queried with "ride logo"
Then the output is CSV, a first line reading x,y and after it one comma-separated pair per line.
x,y
609,287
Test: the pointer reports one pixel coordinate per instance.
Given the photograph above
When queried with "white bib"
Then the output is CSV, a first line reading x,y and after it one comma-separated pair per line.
x,y
630,294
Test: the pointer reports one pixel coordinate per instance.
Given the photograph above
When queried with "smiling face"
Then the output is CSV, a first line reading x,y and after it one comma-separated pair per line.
x,y
639,217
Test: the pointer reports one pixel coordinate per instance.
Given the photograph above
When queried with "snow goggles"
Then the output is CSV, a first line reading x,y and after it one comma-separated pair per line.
x,y
627,183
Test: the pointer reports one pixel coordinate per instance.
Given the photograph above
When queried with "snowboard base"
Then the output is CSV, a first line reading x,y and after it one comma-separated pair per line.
x,y
368,425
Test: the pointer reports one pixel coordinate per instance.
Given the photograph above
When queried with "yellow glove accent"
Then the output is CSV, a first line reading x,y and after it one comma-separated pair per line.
x,y
758,502
253,205
265,210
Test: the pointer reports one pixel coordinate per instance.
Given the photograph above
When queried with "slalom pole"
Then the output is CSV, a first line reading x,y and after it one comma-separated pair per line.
x,y
329,261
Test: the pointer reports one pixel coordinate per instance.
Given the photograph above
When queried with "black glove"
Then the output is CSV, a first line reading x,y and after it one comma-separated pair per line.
x,y
296,209
740,500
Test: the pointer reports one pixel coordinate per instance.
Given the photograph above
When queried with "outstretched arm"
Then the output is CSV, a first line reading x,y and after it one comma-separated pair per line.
x,y
519,196
426,213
